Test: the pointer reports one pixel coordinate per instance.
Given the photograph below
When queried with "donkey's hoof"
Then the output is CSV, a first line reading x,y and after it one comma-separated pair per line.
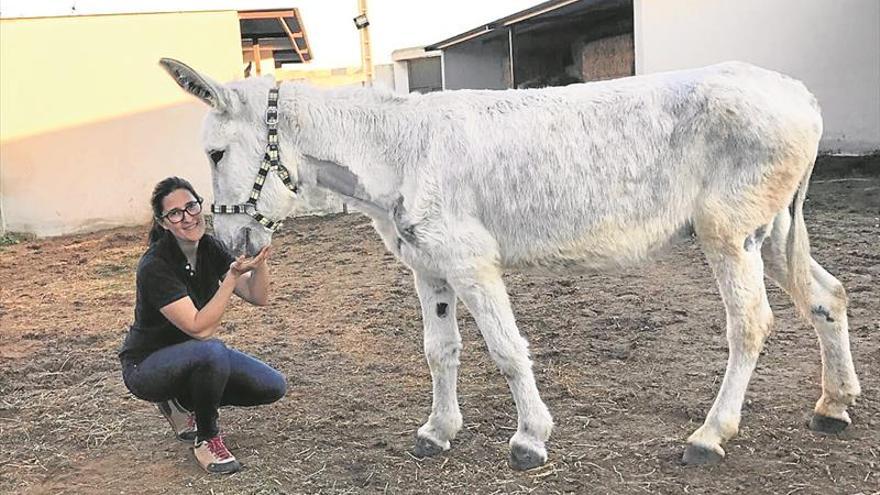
x,y
426,448
522,458
700,455
827,424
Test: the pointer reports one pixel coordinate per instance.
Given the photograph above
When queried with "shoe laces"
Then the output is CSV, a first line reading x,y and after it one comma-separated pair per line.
x,y
218,448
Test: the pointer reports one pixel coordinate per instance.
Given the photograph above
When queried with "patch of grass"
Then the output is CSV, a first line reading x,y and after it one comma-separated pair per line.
x,y
110,270
117,285
12,238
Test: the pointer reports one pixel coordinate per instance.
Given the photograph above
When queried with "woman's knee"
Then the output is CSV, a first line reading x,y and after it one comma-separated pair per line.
x,y
277,387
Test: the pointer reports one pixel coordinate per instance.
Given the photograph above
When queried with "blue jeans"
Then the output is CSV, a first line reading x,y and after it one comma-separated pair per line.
x,y
204,375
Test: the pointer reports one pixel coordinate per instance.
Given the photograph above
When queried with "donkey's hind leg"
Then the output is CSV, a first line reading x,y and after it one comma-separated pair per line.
x,y
442,347
840,385
739,272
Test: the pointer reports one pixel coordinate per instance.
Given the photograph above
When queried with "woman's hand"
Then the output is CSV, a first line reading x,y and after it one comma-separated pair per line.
x,y
243,265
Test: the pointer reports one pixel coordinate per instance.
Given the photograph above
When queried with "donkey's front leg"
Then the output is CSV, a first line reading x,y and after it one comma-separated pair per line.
x,y
442,347
482,291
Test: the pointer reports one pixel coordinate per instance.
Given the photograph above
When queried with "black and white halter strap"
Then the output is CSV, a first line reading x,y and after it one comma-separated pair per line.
x,y
270,162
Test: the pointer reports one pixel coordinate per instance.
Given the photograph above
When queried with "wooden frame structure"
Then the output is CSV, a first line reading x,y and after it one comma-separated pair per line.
x,y
290,37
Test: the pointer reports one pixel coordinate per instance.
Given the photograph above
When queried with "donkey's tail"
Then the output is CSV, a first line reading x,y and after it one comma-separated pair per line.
x,y
798,251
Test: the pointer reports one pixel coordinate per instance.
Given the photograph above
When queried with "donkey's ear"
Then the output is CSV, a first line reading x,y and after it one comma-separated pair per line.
x,y
202,87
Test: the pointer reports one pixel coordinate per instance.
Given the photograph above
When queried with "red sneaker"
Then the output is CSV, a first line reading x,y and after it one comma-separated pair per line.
x,y
214,457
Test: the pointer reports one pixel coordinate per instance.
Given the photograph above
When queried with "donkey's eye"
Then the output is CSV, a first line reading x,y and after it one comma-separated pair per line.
x,y
216,156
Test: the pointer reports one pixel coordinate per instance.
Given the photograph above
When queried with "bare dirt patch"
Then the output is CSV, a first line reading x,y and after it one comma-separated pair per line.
x,y
628,363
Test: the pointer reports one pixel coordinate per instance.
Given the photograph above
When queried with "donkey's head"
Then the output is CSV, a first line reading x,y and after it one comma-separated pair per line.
x,y
234,137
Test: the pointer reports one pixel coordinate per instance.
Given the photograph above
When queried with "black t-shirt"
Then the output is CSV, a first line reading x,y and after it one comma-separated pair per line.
x,y
164,276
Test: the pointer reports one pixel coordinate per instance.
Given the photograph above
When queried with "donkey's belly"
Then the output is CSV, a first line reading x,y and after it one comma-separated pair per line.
x,y
605,245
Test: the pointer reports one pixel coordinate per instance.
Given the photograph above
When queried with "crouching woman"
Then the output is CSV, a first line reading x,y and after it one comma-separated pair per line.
x,y
170,356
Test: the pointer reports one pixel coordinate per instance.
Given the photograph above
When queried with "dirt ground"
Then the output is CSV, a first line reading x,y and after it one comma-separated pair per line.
x,y
628,364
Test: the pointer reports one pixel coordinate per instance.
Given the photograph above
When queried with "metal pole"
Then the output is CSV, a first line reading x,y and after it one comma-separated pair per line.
x,y
366,50
510,55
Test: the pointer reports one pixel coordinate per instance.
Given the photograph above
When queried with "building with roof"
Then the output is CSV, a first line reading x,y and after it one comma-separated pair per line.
x,y
833,47
552,43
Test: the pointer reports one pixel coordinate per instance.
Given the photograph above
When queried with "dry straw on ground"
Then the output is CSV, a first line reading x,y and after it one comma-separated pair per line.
x,y
627,362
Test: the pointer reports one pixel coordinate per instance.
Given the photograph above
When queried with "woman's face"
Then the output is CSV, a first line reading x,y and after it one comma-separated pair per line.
x,y
181,202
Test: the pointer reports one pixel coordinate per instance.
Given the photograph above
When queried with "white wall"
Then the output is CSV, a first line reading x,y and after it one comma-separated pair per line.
x,y
832,46
383,76
400,70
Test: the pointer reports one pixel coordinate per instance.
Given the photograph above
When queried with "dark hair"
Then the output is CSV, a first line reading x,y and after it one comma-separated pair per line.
x,y
162,189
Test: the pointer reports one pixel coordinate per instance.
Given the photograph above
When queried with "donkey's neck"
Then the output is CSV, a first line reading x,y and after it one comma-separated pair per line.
x,y
353,146
341,181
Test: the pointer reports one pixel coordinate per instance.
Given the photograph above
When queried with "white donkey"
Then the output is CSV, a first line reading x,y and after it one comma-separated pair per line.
x,y
462,185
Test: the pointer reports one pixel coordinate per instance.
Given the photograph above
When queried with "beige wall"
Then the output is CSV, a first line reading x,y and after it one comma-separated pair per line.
x,y
833,46
90,122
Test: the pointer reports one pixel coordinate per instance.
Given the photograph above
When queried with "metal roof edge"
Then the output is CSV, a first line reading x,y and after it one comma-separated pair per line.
x,y
411,53
523,15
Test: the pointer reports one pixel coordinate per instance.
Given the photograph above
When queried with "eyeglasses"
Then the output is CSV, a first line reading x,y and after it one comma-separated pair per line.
x,y
175,215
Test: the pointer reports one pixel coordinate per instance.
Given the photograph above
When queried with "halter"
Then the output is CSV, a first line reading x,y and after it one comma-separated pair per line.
x,y
270,162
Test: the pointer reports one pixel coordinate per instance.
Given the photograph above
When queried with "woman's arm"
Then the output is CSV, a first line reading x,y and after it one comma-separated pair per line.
x,y
247,278
202,324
